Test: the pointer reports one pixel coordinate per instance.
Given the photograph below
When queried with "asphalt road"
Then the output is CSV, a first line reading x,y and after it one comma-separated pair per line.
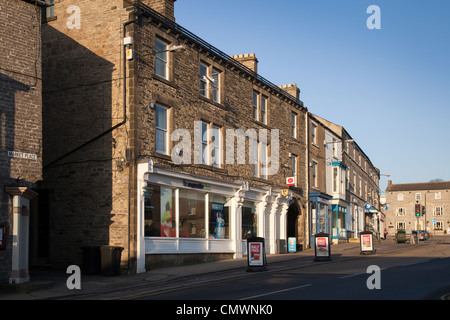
x,y
415,274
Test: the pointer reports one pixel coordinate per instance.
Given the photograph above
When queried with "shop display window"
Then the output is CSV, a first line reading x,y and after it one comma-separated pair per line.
x,y
159,211
219,217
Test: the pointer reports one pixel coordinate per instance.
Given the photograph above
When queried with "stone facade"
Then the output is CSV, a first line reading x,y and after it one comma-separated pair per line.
x,y
359,176
94,145
434,198
20,112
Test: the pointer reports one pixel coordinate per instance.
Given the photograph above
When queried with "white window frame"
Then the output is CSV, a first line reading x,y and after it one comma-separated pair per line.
x,y
400,197
314,133
264,101
400,212
294,125
438,211
210,78
210,145
437,195
163,57
255,104
164,130
418,196
314,173
294,166
401,225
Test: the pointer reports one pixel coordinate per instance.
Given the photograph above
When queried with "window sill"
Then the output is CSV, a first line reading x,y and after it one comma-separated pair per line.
x,y
170,83
210,101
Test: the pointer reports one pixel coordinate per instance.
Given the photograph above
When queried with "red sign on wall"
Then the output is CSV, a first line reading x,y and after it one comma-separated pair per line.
x,y
290,181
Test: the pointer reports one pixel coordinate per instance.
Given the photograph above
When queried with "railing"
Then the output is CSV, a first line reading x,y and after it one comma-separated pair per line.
x,y
169,24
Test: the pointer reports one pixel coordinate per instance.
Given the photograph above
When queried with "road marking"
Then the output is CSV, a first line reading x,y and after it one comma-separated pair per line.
x,y
275,292
352,275
413,263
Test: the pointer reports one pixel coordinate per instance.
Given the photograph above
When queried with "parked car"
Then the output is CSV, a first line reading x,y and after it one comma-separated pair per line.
x,y
421,234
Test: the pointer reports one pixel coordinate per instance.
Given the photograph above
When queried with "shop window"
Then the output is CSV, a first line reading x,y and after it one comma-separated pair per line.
x,y
219,217
159,216
192,214
249,220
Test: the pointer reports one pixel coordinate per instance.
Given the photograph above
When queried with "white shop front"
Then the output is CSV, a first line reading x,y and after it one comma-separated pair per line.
x,y
184,214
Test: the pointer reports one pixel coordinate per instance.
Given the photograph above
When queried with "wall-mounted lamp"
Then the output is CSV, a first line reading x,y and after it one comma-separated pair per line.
x,y
349,140
152,104
175,49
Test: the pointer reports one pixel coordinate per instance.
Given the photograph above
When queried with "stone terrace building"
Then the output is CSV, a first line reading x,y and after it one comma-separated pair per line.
x,y
147,140
20,133
349,213
434,198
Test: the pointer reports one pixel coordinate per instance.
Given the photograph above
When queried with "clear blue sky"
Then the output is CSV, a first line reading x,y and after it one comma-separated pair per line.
x,y
389,88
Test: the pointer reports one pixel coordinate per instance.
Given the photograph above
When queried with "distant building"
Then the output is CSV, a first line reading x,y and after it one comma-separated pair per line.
x,y
352,181
434,201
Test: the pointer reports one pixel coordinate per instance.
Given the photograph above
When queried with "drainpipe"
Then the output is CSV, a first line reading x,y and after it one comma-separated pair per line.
x,y
121,123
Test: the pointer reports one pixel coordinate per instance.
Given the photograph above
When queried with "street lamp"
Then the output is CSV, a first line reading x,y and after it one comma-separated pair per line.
x,y
348,140
176,49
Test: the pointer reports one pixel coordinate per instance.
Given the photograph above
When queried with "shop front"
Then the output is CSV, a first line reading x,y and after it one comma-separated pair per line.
x,y
339,229
182,216
320,214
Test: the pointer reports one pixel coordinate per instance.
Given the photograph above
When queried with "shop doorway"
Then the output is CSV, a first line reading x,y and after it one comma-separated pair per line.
x,y
295,225
39,231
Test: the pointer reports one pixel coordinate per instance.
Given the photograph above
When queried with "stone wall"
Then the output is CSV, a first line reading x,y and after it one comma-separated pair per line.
x,y
20,108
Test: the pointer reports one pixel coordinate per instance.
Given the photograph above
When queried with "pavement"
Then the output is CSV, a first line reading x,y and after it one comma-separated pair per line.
x,y
52,285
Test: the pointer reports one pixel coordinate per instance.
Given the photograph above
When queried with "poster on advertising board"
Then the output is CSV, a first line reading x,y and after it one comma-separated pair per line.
x,y
322,247
292,244
256,254
366,241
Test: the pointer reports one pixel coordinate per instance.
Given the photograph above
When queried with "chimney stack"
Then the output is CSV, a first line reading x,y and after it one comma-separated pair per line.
x,y
248,60
292,89
164,7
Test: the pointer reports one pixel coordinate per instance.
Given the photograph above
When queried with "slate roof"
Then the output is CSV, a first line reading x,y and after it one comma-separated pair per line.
x,y
439,185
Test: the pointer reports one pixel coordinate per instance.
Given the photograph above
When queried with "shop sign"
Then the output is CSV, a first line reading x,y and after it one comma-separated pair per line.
x,y
366,241
322,247
196,185
290,181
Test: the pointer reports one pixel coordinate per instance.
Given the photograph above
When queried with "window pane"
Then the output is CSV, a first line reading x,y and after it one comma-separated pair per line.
x,y
263,110
159,212
255,105
161,141
192,214
219,217
161,129
215,85
216,141
203,81
161,117
161,58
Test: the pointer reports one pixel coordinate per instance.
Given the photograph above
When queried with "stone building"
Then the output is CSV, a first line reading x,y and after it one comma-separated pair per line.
x,y
353,179
433,199
20,134
157,142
